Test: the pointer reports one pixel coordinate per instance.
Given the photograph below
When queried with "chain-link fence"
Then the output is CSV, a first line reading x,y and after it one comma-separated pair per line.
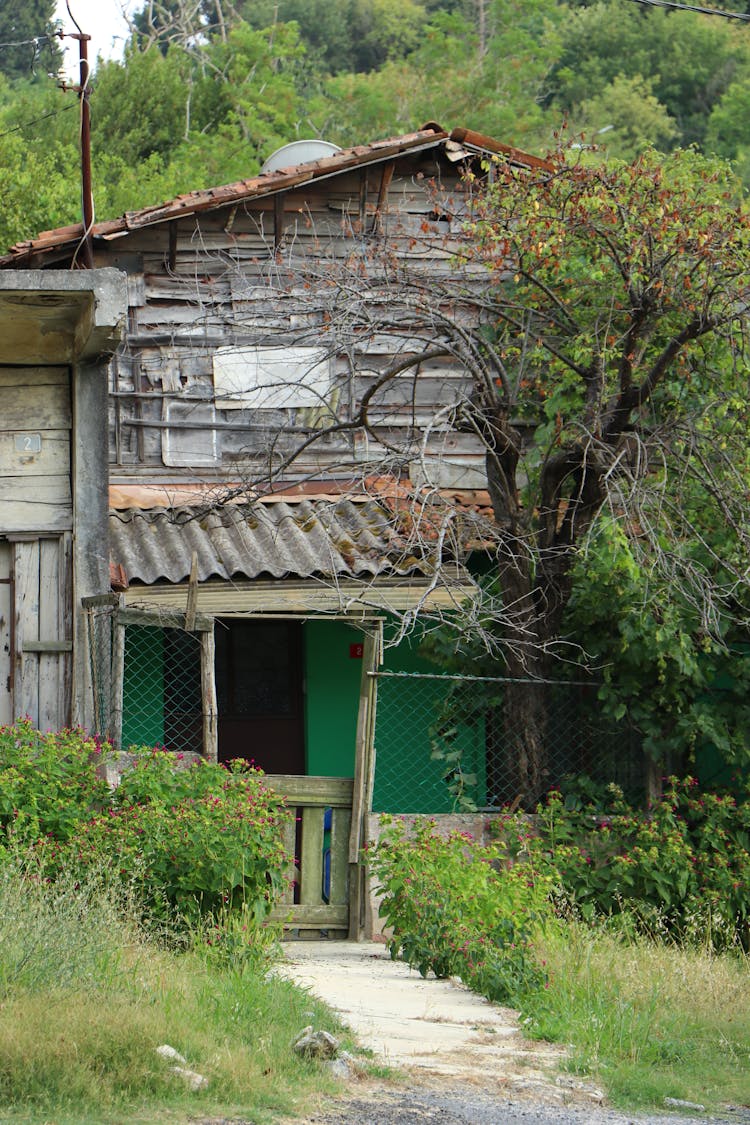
x,y
444,740
146,680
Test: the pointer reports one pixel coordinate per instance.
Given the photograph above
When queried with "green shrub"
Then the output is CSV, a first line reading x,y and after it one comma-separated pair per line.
x,y
682,867
196,841
48,782
458,908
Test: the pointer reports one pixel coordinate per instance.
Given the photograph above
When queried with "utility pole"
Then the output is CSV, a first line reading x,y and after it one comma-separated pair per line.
x,y
85,255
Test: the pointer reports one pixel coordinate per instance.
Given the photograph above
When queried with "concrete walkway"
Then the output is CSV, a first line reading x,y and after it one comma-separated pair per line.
x,y
427,1027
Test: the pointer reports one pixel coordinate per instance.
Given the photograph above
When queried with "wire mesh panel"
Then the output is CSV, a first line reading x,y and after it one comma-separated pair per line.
x,y
441,741
161,697
146,681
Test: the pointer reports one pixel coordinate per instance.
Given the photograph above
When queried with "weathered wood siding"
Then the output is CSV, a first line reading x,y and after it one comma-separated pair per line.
x,y
222,279
36,520
35,449
6,688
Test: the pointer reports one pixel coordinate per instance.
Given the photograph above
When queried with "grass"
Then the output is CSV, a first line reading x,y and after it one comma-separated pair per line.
x,y
646,1019
86,996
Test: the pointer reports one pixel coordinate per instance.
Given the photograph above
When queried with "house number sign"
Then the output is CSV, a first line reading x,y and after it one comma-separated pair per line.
x,y
28,443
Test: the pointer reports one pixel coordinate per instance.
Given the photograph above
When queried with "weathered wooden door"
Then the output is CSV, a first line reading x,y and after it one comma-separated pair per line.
x,y
42,630
6,698
36,520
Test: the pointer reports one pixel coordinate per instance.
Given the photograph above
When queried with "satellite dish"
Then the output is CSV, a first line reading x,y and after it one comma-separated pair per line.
x,y
298,152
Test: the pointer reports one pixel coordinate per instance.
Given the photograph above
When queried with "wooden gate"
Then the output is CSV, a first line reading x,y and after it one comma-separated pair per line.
x,y
318,896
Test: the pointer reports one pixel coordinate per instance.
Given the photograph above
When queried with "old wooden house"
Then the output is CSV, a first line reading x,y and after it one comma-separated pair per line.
x,y
260,541
58,331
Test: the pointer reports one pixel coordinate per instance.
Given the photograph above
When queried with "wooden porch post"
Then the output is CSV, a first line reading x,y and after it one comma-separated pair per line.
x,y
117,683
208,692
364,773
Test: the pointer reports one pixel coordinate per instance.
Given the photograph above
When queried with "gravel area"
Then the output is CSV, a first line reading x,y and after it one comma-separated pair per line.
x,y
431,1102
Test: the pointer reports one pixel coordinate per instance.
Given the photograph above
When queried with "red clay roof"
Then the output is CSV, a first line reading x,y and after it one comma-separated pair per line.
x,y
30,252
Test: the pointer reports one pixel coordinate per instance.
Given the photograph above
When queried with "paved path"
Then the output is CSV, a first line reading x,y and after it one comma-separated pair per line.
x,y
428,1027
462,1060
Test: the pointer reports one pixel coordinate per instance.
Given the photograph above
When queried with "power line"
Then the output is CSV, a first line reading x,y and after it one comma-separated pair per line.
x,y
36,120
29,42
694,8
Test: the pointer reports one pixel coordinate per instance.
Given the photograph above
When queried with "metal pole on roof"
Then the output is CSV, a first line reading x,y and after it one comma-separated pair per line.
x,y
84,255
87,195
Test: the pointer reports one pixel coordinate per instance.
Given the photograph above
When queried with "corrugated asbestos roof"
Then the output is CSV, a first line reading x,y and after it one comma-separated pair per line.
x,y
459,143
276,540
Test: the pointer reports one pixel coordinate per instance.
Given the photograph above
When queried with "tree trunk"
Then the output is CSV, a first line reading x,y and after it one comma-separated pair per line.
x,y
526,710
524,760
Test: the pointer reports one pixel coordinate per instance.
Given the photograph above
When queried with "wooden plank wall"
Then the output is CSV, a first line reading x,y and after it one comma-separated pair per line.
x,y
6,686
35,449
216,281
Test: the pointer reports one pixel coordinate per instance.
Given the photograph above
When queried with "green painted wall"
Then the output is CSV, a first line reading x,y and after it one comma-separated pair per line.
x,y
332,680
143,688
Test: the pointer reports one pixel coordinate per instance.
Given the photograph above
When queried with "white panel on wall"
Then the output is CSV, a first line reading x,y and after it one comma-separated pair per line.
x,y
194,444
271,378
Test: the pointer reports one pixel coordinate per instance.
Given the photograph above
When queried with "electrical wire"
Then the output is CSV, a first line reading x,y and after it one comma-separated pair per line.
x,y
75,21
672,5
29,42
36,120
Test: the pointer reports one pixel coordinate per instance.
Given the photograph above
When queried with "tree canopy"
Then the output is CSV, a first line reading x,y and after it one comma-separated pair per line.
x,y
27,45
208,89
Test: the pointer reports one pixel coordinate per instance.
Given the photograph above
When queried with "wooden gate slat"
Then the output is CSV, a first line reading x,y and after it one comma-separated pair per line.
x,y
340,827
311,866
26,589
49,627
290,842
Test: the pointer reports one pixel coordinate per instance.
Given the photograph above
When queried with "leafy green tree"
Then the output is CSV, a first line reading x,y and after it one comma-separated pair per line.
x,y
41,190
26,42
624,117
689,59
728,128
205,116
679,683
486,91
158,85
258,84
345,35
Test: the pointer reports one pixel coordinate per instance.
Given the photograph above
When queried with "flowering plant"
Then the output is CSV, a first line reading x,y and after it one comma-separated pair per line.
x,y
680,867
49,783
459,908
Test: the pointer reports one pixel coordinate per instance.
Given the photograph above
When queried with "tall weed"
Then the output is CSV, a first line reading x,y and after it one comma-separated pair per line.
x,y
70,934
87,997
648,1019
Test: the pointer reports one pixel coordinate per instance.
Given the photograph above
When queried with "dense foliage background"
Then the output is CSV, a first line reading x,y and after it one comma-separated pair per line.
x,y
205,93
